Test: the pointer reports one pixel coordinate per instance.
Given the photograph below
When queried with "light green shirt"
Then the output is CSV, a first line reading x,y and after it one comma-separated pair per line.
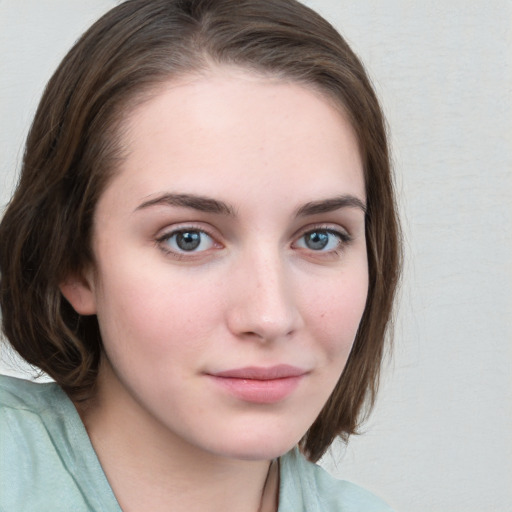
x,y
47,462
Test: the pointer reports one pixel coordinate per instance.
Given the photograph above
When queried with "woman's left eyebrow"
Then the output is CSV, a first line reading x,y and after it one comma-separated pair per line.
x,y
330,205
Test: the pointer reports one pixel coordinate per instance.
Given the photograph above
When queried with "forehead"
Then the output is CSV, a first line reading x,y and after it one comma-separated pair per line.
x,y
228,123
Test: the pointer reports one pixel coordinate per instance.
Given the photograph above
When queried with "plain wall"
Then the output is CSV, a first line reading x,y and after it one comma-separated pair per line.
x,y
440,437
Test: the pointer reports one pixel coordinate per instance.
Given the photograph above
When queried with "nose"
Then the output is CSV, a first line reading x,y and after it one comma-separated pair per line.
x,y
263,305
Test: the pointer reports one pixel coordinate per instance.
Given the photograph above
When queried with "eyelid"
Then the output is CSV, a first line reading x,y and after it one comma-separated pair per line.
x,y
170,231
336,229
342,234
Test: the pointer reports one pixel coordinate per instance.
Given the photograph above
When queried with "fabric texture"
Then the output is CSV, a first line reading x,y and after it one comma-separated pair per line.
x,y
47,462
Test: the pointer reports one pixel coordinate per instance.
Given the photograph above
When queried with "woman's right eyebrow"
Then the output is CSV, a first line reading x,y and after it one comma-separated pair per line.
x,y
193,201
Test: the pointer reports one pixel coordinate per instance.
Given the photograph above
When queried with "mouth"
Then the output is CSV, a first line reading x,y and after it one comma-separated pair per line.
x,y
260,385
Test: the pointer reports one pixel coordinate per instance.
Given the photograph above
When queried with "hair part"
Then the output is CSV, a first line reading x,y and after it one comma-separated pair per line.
x,y
74,147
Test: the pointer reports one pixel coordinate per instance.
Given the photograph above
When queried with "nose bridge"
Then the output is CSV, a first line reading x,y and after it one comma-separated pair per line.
x,y
264,304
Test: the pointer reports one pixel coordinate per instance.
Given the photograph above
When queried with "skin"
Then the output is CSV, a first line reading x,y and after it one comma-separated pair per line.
x,y
255,292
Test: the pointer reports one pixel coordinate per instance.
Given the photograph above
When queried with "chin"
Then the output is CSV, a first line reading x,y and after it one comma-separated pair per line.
x,y
260,447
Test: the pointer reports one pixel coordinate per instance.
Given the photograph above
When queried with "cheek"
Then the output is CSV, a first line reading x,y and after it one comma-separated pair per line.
x,y
337,311
342,306
141,310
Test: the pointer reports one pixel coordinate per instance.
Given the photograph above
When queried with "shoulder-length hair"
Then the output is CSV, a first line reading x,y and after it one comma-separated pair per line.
x,y
73,148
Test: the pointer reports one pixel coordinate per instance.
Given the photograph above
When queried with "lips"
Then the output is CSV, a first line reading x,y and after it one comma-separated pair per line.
x,y
281,371
259,385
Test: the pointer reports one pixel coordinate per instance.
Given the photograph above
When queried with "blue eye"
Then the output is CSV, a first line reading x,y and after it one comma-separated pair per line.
x,y
188,240
323,240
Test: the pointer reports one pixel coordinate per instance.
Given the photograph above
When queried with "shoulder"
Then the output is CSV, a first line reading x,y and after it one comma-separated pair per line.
x,y
308,487
36,419
25,395
30,418
25,404
42,441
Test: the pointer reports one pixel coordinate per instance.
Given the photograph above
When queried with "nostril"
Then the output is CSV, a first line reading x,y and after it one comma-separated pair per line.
x,y
264,307
249,323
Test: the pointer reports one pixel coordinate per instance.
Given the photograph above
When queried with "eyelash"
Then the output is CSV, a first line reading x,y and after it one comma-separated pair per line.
x,y
180,254
163,242
343,239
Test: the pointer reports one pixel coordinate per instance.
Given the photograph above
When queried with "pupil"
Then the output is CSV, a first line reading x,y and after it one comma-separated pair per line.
x,y
317,240
188,240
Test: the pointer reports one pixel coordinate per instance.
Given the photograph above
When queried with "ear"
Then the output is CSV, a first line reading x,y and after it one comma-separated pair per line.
x,y
79,292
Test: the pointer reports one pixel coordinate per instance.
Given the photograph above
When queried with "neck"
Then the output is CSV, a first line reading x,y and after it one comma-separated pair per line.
x,y
149,468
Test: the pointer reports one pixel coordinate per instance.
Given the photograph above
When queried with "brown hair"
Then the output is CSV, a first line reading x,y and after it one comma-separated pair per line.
x,y
73,148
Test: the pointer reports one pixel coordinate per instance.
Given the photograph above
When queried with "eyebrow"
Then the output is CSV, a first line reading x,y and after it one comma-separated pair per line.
x,y
210,205
330,205
200,203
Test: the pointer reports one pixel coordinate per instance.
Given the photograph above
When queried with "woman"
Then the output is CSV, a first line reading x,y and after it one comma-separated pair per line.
x,y
202,252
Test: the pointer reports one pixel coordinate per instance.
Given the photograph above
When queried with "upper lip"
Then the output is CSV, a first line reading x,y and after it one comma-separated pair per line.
x,y
280,371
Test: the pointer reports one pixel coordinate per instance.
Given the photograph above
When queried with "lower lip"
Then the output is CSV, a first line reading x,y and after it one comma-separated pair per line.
x,y
259,391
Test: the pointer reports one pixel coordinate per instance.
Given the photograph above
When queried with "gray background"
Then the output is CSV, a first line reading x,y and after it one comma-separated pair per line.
x,y
440,437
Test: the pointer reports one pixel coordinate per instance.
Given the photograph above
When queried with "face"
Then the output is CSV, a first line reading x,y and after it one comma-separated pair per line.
x,y
231,271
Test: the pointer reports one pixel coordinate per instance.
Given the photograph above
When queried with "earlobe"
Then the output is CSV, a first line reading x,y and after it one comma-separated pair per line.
x,y
79,293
